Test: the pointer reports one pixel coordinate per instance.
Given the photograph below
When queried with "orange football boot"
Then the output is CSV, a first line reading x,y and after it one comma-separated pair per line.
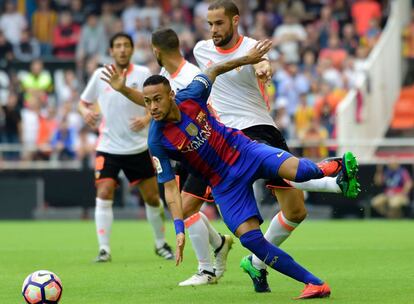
x,y
315,291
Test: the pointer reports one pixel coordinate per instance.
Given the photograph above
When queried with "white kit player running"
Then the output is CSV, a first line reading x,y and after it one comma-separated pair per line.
x,y
239,101
122,146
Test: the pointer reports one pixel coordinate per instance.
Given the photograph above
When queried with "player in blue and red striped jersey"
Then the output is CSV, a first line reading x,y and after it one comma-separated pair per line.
x,y
182,129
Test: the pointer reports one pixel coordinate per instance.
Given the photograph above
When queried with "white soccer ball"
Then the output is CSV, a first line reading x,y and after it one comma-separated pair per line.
x,y
42,286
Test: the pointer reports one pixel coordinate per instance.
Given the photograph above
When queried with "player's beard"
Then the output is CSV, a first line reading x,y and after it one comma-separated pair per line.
x,y
226,39
159,61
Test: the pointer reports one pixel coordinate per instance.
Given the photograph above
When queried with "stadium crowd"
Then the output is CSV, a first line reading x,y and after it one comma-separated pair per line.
x,y
49,53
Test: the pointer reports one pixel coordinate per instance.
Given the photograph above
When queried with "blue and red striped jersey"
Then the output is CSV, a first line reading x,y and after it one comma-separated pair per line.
x,y
203,145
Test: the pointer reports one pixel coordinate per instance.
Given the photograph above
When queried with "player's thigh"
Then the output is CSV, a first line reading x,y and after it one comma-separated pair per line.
x,y
292,203
398,201
195,192
236,204
106,174
149,191
139,171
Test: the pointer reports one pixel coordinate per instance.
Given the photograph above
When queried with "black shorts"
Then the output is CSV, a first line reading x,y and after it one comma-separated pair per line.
x,y
271,136
136,167
192,185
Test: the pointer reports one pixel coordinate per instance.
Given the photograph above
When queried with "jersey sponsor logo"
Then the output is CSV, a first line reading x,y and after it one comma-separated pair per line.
x,y
202,136
157,164
191,129
202,80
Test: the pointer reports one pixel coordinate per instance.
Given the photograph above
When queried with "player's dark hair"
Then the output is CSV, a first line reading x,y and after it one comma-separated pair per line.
x,y
156,79
165,39
230,9
120,35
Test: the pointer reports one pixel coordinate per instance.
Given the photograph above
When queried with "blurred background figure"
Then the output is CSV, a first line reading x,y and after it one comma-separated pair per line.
x,y
396,182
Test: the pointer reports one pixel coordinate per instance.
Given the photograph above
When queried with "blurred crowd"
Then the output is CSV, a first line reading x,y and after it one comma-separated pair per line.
x,y
319,48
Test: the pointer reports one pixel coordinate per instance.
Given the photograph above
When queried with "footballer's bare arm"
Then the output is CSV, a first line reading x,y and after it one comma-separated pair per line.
x,y
253,56
117,81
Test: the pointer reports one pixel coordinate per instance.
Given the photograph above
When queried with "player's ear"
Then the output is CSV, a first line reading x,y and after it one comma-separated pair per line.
x,y
172,94
235,20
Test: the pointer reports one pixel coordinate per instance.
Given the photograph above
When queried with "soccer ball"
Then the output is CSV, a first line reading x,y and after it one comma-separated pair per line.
x,y
42,286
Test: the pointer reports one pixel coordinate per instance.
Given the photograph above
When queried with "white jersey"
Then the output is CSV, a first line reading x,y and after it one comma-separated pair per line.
x,y
117,111
237,96
181,78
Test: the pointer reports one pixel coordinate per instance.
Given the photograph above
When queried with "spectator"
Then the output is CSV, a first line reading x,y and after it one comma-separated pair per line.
x,y
341,12
37,82
408,50
288,37
12,125
77,12
314,137
47,127
334,52
67,86
65,37
108,19
30,127
373,33
12,22
281,117
363,11
304,116
28,49
151,12
6,52
93,40
85,146
44,20
292,83
4,87
129,15
63,141
326,26
396,194
350,39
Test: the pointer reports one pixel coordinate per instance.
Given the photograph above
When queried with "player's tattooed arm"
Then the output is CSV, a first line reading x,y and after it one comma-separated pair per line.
x,y
173,199
254,56
117,81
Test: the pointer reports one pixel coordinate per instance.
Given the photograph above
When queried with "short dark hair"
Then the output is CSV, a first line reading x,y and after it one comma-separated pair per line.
x,y
119,35
166,39
230,9
156,79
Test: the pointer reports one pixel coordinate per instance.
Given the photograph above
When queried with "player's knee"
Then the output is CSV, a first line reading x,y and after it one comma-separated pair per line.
x,y
191,204
152,199
105,193
296,215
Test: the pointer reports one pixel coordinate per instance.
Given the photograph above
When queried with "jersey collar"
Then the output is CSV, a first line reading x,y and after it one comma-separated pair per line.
x,y
235,47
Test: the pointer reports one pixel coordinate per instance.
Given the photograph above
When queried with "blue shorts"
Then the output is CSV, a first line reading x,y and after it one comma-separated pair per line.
x,y
234,195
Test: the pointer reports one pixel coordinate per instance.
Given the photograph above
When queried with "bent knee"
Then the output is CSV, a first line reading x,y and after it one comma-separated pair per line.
x,y
191,204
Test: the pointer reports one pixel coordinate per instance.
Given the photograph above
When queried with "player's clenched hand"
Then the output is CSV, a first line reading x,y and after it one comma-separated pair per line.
x,y
91,118
179,248
264,72
112,77
256,53
138,123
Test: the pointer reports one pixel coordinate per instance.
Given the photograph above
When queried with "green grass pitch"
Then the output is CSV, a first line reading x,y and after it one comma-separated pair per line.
x,y
363,261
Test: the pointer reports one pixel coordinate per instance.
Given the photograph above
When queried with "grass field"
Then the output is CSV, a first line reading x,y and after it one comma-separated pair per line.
x,y
363,261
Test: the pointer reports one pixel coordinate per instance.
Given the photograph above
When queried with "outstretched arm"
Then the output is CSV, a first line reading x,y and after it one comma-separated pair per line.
x,y
173,198
117,81
255,55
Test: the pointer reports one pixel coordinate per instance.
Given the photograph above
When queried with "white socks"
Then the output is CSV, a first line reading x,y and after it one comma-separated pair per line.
x,y
325,184
214,237
199,236
154,217
103,220
279,230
